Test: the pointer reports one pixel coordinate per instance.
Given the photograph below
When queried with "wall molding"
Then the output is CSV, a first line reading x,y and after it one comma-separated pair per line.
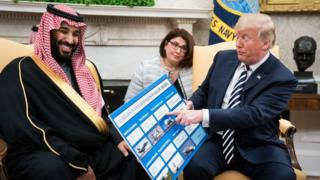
x,y
19,16
104,10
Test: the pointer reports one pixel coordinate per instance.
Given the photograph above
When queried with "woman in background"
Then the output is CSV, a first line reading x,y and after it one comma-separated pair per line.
x,y
176,51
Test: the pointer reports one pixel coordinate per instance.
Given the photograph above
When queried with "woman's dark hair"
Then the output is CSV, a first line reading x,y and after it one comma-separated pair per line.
x,y
177,32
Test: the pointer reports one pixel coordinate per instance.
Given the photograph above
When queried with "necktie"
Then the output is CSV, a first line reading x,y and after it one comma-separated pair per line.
x,y
234,101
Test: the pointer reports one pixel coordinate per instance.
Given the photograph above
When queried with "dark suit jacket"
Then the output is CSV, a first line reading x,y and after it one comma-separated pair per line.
x,y
265,96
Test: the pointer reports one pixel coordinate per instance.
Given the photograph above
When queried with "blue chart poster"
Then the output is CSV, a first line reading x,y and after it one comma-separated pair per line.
x,y
162,146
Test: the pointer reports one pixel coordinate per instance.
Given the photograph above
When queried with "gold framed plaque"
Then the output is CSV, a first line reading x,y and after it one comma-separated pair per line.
x,y
275,6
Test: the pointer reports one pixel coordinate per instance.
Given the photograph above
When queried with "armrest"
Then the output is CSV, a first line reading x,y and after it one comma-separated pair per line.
x,y
3,149
287,130
3,153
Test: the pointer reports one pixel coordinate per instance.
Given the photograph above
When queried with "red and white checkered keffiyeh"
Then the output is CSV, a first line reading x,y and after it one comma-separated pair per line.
x,y
42,48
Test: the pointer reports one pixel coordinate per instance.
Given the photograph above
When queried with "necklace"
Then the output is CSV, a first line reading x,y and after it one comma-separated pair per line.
x,y
173,72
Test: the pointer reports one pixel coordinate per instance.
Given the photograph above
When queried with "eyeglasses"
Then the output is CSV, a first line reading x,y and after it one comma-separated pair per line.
x,y
176,46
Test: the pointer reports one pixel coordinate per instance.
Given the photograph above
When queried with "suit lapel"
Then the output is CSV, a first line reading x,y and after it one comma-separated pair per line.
x,y
260,73
227,71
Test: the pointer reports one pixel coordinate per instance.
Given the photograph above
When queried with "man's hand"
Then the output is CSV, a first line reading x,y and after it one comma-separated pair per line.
x,y
89,175
124,148
187,117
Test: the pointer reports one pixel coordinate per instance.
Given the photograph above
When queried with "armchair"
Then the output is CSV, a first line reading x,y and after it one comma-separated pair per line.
x,y
202,60
11,50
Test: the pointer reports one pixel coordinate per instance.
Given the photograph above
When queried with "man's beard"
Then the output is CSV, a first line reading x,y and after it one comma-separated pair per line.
x,y
59,57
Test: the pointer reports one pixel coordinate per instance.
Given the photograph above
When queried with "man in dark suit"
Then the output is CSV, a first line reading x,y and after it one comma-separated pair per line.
x,y
250,111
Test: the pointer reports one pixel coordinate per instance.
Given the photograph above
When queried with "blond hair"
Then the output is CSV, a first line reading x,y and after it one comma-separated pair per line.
x,y
259,21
